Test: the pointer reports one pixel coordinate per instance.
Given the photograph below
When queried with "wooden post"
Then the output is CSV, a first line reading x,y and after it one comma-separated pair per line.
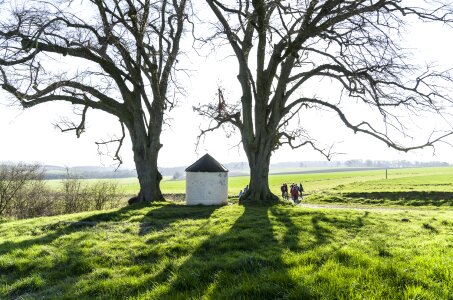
x,y
385,173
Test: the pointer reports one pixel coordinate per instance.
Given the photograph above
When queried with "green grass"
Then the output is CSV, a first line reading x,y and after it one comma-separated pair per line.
x,y
431,178
407,187
168,251
414,186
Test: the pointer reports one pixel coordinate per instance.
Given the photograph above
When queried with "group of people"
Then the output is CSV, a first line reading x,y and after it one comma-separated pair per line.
x,y
295,191
245,191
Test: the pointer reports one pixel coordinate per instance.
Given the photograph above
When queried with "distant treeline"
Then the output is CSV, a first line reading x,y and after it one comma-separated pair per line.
x,y
92,174
235,168
393,164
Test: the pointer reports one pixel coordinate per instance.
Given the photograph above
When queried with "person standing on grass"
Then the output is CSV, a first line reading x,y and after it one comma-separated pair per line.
x,y
301,190
295,193
240,194
284,190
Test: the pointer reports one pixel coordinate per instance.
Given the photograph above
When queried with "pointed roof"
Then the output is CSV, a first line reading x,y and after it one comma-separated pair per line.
x,y
206,164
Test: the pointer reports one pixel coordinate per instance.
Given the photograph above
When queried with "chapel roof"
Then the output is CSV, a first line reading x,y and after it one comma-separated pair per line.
x,y
206,163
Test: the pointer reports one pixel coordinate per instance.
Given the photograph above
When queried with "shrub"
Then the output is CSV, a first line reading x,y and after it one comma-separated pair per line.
x,y
35,200
24,193
16,181
73,194
102,193
78,196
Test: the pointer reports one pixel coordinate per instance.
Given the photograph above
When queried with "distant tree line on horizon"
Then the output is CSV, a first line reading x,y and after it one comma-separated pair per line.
x,y
93,174
178,172
393,164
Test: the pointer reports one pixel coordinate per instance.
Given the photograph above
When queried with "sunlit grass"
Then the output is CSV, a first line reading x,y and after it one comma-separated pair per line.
x,y
168,251
424,178
421,187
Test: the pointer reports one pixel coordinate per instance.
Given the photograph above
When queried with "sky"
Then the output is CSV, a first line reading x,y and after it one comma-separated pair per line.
x,y
30,136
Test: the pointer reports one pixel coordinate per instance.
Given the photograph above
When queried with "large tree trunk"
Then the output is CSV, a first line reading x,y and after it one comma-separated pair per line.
x,y
259,161
146,152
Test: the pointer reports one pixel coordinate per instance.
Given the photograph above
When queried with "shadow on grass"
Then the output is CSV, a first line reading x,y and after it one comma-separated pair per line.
x,y
58,229
248,261
32,259
158,218
415,198
230,264
27,281
320,228
162,217
73,241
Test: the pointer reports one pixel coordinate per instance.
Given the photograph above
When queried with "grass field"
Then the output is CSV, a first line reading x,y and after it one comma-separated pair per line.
x,y
169,251
313,182
414,186
388,249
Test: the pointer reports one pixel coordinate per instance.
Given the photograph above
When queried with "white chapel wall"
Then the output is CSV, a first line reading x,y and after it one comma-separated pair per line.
x,y
206,188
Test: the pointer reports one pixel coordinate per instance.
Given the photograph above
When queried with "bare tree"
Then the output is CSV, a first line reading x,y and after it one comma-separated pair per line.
x,y
284,48
14,179
115,56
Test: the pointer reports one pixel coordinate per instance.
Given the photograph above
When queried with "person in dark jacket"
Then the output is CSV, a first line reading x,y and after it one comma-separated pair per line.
x,y
301,190
284,190
295,193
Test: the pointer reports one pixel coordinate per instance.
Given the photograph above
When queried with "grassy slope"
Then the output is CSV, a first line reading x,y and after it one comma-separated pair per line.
x,y
169,251
172,251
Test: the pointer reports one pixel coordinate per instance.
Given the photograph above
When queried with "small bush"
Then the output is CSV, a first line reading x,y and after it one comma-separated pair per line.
x,y
15,180
103,193
74,194
34,201
78,196
24,193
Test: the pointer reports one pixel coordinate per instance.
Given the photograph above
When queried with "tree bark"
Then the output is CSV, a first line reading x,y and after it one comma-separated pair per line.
x,y
146,149
259,161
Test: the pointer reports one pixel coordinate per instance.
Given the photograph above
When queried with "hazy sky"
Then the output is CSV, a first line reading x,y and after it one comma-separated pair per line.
x,y
28,135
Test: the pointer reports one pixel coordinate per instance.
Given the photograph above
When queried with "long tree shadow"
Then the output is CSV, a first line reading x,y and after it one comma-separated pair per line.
x,y
161,218
229,265
52,231
247,261
416,198
317,227
42,262
318,232
292,231
229,261
73,263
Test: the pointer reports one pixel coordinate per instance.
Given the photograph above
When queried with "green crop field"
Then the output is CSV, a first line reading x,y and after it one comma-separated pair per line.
x,y
376,238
